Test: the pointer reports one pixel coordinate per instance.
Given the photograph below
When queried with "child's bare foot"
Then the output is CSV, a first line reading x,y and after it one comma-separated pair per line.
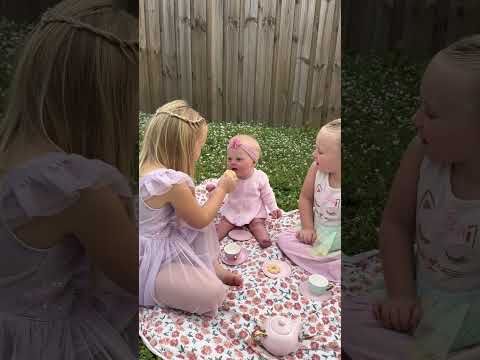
x,y
228,277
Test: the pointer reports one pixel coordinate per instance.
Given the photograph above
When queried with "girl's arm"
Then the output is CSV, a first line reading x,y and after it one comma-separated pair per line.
x,y
188,208
305,201
397,231
101,223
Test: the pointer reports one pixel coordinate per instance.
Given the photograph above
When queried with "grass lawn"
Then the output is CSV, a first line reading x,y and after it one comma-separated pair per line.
x,y
379,97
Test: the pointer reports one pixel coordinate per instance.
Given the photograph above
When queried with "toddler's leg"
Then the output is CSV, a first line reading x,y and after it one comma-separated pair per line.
x,y
189,288
257,228
223,228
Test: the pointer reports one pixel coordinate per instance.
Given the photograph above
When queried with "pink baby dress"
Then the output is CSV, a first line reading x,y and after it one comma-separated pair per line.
x,y
48,309
252,198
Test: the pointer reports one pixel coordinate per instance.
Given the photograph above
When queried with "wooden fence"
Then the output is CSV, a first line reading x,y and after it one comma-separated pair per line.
x,y
264,61
417,28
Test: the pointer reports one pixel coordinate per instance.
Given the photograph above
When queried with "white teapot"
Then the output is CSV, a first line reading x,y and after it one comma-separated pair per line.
x,y
281,335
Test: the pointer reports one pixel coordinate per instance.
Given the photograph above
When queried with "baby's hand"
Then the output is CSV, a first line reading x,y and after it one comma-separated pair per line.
x,y
307,236
276,214
228,181
401,314
210,186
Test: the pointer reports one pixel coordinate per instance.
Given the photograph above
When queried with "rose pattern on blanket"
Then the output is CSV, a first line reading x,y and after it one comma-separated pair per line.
x,y
173,334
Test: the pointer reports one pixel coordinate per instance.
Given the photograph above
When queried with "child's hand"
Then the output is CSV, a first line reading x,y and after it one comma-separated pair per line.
x,y
402,314
228,181
307,236
276,214
210,186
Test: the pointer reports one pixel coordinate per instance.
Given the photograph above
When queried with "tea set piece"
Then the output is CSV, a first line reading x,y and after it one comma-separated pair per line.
x,y
317,287
280,335
240,235
234,254
276,269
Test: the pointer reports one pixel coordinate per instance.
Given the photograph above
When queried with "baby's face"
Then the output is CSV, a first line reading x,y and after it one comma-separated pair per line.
x,y
327,153
448,119
239,161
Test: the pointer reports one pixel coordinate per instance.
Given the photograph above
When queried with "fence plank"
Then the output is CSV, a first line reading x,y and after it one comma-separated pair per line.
x,y
231,44
145,92
304,61
265,45
311,85
282,59
334,103
321,63
155,55
169,53
184,44
331,61
300,7
215,59
249,46
199,55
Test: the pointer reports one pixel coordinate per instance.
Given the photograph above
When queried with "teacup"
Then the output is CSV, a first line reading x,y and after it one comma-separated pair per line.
x,y
232,251
317,284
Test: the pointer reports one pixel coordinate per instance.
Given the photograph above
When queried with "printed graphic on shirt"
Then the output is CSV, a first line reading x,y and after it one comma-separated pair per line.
x,y
428,201
471,234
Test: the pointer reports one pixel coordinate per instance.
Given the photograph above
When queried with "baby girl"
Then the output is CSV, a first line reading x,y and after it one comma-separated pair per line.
x,y
253,197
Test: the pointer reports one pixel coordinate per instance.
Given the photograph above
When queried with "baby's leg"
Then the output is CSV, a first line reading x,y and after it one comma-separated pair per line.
x,y
257,228
223,228
189,288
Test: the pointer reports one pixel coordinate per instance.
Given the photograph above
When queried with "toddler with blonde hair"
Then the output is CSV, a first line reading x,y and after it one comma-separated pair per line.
x,y
179,265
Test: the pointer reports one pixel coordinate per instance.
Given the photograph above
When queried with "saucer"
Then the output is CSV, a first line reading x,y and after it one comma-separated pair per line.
x,y
242,257
284,269
240,235
305,291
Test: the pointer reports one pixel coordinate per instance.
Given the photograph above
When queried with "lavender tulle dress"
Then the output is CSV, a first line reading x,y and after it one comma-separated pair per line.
x,y
176,260
48,308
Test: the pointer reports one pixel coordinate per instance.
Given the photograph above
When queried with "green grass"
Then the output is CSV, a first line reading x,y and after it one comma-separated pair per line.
x,y
379,97
12,36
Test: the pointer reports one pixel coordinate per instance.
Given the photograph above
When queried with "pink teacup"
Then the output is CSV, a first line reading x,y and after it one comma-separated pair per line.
x,y
232,251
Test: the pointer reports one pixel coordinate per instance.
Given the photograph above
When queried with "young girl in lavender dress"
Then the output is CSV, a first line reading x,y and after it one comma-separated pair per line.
x,y
68,259
429,307
253,199
316,246
179,249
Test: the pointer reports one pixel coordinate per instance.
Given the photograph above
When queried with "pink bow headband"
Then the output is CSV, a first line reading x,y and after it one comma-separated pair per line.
x,y
235,143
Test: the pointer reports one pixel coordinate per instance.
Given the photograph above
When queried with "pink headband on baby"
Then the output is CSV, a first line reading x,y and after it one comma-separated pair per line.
x,y
235,143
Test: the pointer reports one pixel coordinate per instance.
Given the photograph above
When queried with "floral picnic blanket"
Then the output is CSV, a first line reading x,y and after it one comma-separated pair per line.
x,y
173,334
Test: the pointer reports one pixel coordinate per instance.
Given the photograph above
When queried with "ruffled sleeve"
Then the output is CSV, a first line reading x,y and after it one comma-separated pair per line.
x,y
161,181
51,183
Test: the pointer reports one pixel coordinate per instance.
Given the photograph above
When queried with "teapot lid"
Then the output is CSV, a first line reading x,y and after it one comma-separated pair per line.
x,y
281,325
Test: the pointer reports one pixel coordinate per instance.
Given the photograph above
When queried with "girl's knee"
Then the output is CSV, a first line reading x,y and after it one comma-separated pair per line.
x,y
211,297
